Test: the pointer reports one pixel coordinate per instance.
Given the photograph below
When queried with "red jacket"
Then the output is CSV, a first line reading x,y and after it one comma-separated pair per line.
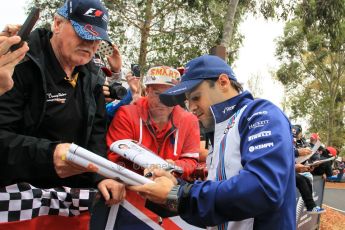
x,y
181,137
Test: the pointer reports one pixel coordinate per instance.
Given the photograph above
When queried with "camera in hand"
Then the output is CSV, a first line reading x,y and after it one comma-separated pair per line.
x,y
135,68
117,91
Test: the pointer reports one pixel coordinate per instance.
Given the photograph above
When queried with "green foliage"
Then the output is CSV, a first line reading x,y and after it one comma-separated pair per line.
x,y
48,9
178,31
313,66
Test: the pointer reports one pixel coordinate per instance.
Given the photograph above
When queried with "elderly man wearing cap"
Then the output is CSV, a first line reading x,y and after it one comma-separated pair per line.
x,y
251,178
170,132
57,99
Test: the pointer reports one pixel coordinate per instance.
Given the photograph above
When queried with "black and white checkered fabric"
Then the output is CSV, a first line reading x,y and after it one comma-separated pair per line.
x,y
23,201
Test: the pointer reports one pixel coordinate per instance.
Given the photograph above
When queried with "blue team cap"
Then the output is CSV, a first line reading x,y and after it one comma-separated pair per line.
x,y
89,18
196,70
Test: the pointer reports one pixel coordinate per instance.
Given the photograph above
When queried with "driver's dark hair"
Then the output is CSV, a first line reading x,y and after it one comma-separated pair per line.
x,y
236,85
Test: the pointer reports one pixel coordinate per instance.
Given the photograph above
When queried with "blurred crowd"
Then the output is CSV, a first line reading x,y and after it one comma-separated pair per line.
x,y
241,159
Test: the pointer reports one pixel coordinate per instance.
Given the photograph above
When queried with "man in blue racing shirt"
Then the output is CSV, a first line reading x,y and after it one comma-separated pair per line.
x,y
251,179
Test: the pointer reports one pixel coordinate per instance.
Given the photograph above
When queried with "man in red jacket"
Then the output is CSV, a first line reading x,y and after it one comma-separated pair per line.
x,y
170,132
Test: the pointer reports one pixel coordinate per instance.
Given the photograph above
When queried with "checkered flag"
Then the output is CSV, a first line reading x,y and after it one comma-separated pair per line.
x,y
23,201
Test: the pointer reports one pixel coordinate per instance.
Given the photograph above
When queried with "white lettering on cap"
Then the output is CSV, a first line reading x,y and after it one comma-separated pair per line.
x,y
178,90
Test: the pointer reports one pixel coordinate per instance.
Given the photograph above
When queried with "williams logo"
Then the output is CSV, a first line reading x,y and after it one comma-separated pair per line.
x,y
257,114
258,124
258,135
262,146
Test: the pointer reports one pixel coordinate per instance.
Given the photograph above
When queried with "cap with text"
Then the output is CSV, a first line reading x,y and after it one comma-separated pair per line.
x,y
162,75
89,18
196,70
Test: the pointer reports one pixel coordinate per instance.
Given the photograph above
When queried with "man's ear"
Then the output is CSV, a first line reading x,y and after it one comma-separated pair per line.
x,y
57,25
223,81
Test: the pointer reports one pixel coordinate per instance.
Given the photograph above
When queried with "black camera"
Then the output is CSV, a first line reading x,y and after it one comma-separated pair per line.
x,y
117,91
135,68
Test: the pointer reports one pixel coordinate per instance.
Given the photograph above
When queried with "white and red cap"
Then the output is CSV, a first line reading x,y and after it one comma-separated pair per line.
x,y
162,75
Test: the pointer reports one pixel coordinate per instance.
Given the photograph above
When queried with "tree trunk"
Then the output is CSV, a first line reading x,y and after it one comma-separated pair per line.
x,y
229,23
145,33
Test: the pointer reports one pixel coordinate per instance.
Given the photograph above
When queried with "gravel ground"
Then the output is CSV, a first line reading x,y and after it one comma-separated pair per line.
x,y
331,219
335,185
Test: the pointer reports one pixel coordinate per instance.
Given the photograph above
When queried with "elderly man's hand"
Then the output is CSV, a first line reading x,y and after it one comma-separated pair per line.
x,y
64,168
115,60
112,191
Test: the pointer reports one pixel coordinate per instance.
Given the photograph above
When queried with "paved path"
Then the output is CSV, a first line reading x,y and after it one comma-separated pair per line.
x,y
335,198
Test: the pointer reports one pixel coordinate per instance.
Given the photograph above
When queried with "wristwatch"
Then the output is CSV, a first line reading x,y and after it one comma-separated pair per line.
x,y
173,199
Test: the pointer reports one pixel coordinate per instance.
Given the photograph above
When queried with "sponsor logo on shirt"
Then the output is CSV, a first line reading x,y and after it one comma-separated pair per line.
x,y
262,146
59,97
258,124
257,114
258,135
227,109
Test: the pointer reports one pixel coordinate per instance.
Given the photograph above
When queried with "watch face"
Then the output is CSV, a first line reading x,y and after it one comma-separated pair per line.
x,y
172,205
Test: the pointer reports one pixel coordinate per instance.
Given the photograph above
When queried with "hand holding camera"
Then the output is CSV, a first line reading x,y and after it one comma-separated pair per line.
x,y
112,88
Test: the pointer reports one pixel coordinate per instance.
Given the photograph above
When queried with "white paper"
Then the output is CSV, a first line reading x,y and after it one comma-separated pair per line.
x,y
140,155
301,159
104,167
318,162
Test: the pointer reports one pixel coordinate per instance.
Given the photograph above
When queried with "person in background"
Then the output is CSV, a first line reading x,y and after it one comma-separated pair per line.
x,y
314,137
57,99
336,172
325,169
170,132
339,167
132,95
303,172
251,176
306,189
299,141
9,59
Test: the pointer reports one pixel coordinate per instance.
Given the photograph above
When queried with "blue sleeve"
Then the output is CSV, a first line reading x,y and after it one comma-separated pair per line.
x,y
113,107
267,174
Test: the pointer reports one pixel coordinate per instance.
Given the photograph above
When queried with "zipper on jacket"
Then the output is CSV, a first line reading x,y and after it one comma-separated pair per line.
x,y
151,131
